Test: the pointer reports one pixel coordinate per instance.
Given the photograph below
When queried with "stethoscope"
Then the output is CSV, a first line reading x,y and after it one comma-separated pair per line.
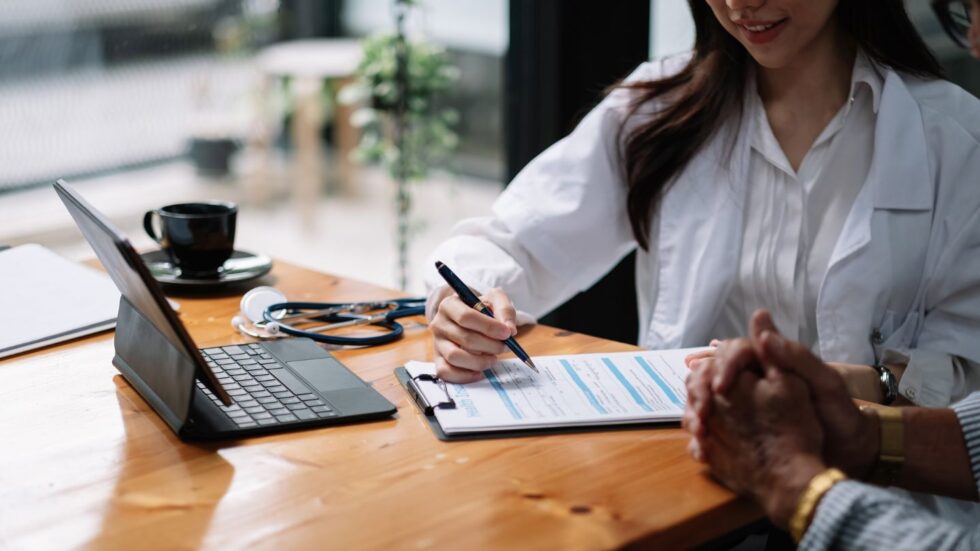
x,y
266,314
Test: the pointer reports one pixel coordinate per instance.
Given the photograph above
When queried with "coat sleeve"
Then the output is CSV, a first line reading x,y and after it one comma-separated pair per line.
x,y
944,362
560,225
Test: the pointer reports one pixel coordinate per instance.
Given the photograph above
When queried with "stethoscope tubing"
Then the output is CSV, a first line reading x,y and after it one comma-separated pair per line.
x,y
398,308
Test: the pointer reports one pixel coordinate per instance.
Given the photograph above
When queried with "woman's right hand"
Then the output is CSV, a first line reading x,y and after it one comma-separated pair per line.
x,y
466,341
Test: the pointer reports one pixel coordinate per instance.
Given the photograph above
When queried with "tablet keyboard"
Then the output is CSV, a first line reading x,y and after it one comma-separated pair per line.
x,y
263,390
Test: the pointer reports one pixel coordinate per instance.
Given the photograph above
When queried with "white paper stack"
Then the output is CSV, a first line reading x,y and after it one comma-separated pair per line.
x,y
45,299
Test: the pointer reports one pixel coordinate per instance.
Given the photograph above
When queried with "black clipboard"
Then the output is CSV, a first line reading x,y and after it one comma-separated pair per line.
x,y
428,410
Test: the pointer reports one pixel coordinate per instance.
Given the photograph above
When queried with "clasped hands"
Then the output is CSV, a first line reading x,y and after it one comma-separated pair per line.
x,y
766,416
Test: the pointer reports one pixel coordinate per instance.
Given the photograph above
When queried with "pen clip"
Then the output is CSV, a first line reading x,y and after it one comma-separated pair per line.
x,y
420,398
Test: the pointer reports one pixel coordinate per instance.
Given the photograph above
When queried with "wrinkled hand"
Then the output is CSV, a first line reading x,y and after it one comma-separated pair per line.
x,y
764,440
466,341
852,437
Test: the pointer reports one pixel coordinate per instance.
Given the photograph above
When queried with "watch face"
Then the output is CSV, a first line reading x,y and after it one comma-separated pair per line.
x,y
889,385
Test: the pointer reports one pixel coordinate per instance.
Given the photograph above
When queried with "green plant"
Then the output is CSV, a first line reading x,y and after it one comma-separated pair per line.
x,y
399,83
429,136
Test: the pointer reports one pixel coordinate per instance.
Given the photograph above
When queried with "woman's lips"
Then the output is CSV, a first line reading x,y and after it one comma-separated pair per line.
x,y
760,32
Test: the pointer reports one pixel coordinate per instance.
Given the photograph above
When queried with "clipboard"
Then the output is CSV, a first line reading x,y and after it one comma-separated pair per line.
x,y
428,410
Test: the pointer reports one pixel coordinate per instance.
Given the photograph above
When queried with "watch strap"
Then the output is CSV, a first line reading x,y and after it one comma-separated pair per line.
x,y
891,452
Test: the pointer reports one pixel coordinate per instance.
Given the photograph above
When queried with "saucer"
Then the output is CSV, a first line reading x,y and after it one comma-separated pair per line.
x,y
242,266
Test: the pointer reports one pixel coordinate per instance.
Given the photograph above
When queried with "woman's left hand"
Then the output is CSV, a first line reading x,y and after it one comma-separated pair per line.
x,y
691,360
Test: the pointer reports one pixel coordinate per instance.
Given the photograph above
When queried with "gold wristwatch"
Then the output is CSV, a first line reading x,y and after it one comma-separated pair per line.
x,y
891,451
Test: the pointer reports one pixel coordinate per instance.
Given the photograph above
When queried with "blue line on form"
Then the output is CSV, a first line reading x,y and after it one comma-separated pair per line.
x,y
585,389
495,383
660,382
619,375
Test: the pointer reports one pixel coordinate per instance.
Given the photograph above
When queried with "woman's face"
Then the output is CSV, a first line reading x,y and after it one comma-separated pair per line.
x,y
775,32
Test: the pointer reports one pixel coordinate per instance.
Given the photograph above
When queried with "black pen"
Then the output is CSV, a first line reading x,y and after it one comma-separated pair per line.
x,y
471,300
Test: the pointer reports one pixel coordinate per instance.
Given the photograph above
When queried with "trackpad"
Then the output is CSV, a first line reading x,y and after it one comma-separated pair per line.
x,y
326,374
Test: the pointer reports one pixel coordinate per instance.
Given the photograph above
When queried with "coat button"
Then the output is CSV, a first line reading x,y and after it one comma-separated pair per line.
x,y
910,393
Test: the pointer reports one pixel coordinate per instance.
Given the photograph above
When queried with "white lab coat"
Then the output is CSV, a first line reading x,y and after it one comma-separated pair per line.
x,y
907,262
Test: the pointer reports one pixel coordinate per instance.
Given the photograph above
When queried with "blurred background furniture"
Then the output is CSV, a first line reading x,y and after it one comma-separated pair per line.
x,y
315,70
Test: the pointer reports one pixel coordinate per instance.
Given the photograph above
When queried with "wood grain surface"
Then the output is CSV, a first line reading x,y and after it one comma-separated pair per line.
x,y
87,464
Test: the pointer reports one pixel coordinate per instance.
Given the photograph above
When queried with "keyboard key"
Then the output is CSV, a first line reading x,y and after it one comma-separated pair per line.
x,y
267,400
321,409
238,413
297,407
252,387
278,411
290,400
286,418
315,402
277,388
237,392
325,414
284,394
266,377
231,386
267,361
239,356
255,369
210,351
248,362
224,361
267,421
249,404
232,349
307,396
261,394
244,422
305,415
262,415
234,372
255,409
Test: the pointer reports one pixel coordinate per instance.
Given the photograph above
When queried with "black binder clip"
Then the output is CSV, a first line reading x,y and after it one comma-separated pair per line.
x,y
420,398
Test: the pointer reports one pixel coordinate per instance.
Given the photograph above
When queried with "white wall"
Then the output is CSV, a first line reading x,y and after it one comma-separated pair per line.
x,y
471,25
671,27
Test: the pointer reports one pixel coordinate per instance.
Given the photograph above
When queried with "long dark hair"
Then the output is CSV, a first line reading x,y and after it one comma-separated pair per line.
x,y
709,91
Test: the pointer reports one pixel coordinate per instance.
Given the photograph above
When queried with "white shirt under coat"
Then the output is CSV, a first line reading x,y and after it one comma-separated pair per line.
x,y
793,218
904,259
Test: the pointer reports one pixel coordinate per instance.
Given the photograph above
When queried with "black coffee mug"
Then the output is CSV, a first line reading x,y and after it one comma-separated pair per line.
x,y
198,237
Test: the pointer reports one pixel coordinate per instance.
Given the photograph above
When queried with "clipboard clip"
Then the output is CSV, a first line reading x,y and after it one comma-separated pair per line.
x,y
420,397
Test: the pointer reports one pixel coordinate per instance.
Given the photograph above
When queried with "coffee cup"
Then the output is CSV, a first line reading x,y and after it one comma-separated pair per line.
x,y
198,237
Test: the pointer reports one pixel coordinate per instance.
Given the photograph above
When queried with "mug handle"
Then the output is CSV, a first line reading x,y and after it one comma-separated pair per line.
x,y
148,224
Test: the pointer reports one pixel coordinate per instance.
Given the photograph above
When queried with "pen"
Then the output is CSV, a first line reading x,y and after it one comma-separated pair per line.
x,y
471,300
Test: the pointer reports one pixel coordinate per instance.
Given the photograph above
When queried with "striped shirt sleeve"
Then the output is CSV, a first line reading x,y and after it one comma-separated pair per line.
x,y
853,515
968,412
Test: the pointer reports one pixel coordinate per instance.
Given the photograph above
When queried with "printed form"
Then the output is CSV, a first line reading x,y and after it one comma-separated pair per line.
x,y
579,390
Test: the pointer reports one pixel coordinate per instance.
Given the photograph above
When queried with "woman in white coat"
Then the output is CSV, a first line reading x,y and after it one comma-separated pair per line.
x,y
806,157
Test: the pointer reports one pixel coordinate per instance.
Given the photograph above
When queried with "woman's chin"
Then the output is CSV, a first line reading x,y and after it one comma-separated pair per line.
x,y
770,59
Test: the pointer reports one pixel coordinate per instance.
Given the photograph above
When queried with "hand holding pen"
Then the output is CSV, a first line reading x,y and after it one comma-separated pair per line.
x,y
470,333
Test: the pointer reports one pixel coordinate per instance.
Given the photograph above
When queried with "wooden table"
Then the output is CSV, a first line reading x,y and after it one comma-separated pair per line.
x,y
86,463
